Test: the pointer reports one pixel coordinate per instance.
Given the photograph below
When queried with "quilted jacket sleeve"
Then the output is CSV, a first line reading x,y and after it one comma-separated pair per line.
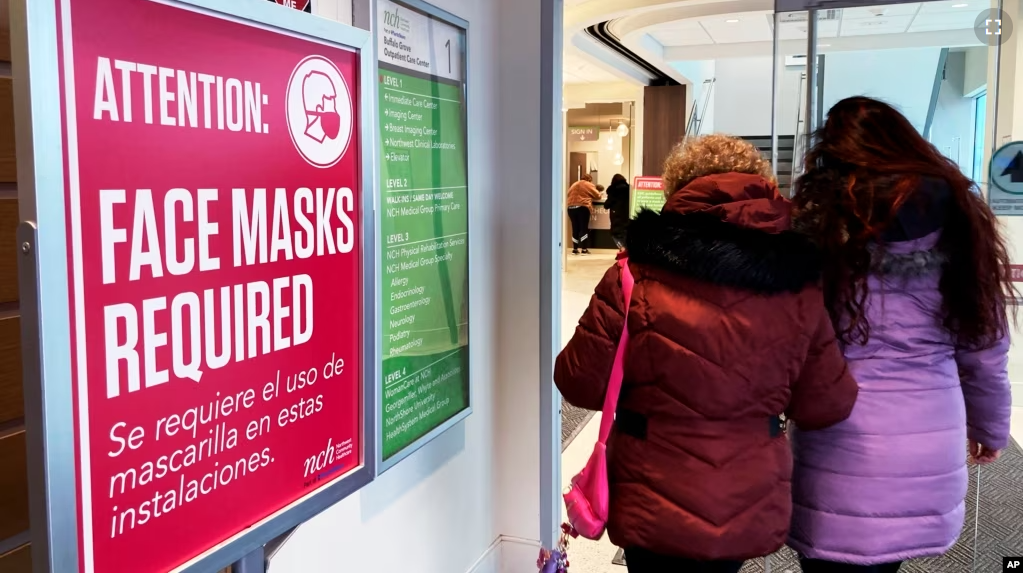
x,y
984,375
825,392
584,366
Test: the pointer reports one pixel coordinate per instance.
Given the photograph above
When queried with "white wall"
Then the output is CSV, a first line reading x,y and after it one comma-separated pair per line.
x,y
953,124
340,10
441,509
517,166
698,72
742,93
742,97
976,71
903,78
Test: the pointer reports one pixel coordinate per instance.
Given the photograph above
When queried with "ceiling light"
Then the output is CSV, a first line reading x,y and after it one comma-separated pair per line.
x,y
823,45
623,130
960,5
732,21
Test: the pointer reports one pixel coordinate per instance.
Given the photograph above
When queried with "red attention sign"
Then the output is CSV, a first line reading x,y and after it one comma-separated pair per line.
x,y
213,201
648,183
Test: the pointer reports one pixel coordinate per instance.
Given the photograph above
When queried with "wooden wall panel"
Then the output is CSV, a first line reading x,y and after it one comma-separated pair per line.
x,y
664,124
5,31
13,471
13,486
12,406
17,560
8,250
8,163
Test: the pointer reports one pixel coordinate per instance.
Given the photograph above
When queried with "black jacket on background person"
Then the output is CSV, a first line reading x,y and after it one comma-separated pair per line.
x,y
618,203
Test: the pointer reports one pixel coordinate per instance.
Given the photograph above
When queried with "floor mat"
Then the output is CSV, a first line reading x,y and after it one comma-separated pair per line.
x,y
573,419
998,530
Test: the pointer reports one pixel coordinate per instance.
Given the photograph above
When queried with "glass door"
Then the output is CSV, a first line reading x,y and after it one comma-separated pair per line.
x,y
931,60
951,68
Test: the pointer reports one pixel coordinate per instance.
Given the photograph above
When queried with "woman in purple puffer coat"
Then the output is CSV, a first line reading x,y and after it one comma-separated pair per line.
x,y
915,281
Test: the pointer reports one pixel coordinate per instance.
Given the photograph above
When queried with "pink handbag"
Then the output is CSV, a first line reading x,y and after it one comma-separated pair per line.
x,y
587,497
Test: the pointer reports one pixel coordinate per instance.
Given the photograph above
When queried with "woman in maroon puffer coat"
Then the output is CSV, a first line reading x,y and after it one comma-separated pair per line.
x,y
728,334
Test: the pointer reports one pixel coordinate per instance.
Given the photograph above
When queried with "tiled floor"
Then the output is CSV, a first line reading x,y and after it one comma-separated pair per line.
x,y
582,274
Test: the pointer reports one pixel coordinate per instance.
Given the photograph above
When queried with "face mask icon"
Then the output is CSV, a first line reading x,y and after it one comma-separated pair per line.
x,y
320,97
331,123
320,111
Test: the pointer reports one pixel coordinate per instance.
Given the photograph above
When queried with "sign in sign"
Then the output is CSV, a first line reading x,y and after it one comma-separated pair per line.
x,y
214,202
1005,177
424,227
647,193
584,134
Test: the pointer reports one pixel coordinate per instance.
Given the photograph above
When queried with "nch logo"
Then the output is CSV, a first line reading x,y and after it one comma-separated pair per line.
x,y
395,20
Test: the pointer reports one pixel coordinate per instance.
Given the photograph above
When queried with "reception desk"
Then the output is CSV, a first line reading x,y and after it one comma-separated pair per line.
x,y
600,227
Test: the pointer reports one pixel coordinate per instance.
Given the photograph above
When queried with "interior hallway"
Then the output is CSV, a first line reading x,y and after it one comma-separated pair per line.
x,y
1001,496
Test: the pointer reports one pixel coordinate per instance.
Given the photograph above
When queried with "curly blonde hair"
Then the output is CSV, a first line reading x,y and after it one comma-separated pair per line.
x,y
710,154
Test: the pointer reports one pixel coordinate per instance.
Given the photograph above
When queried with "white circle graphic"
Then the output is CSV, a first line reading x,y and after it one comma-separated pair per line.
x,y
319,110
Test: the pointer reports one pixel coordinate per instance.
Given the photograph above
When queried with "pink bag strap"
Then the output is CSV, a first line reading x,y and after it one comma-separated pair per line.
x,y
614,384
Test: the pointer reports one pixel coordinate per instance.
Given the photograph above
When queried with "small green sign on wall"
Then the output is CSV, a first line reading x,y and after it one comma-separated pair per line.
x,y
424,229
647,193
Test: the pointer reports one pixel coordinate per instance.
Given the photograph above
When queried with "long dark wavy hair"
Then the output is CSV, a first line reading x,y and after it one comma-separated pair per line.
x,y
865,163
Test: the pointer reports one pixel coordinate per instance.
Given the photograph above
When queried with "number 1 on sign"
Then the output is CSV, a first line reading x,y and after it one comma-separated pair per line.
x,y
448,46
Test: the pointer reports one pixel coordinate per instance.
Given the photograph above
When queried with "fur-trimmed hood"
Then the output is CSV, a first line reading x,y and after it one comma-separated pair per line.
x,y
907,265
908,246
701,246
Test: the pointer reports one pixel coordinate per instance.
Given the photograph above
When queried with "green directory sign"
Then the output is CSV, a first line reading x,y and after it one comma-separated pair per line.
x,y
424,226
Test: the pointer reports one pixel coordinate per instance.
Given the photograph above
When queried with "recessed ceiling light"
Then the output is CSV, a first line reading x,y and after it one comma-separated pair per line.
x,y
960,5
732,21
823,45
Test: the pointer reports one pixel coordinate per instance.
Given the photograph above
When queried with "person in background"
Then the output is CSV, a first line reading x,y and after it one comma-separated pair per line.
x,y
728,334
915,282
618,204
580,202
